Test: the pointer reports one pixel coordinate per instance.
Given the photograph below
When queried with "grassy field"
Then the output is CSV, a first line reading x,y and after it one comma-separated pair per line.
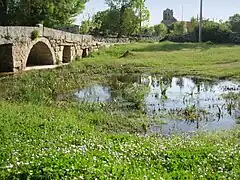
x,y
219,61
45,138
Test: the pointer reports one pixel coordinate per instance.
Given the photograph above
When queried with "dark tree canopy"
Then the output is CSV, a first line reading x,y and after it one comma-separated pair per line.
x,y
51,13
235,22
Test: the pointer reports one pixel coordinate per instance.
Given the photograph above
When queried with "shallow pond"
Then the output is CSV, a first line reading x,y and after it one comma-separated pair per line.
x,y
184,104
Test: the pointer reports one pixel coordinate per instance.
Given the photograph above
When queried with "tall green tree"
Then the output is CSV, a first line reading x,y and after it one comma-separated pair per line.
x,y
52,13
3,11
7,7
178,28
193,24
130,22
107,21
160,30
142,11
235,22
137,7
85,27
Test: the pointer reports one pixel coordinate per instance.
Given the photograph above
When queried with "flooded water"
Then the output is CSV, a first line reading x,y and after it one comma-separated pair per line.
x,y
95,93
184,104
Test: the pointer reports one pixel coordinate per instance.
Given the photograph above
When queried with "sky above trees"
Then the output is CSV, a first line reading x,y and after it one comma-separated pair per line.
x,y
217,9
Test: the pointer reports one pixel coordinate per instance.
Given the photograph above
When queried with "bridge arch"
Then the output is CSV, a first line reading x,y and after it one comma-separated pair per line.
x,y
40,53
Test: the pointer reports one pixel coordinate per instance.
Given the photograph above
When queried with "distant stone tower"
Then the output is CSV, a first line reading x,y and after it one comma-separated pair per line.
x,y
168,17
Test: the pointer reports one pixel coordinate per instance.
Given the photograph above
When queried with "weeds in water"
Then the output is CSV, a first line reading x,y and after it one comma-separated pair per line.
x,y
134,95
163,89
191,112
233,101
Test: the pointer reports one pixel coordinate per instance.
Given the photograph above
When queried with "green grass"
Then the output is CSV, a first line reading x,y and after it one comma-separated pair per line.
x,y
51,143
170,58
45,138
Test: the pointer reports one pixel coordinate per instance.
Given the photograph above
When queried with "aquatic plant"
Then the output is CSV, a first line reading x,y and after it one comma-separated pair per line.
x,y
191,112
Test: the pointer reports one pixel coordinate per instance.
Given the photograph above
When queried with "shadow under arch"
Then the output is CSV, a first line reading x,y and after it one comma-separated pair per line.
x,y
6,58
40,54
66,54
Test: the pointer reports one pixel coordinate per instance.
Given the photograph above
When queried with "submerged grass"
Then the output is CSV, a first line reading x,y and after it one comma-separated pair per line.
x,y
45,138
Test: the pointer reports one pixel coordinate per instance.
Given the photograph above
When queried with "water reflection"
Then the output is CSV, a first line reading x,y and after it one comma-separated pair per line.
x,y
187,104
94,93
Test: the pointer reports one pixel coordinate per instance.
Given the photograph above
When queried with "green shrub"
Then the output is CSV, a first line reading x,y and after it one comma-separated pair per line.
x,y
34,34
211,31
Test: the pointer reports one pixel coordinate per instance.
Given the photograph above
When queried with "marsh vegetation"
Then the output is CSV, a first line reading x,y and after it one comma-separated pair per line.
x,y
151,114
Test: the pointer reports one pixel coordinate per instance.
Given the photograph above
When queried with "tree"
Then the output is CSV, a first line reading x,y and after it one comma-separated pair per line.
x,y
7,8
134,8
160,30
52,13
85,27
143,12
130,22
3,11
107,21
118,4
149,31
193,24
235,22
215,32
178,28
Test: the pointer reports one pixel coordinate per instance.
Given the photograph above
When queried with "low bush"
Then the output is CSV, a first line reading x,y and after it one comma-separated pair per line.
x,y
35,34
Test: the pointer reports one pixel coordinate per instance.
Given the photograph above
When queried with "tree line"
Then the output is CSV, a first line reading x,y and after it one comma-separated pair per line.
x,y
122,18
51,13
111,22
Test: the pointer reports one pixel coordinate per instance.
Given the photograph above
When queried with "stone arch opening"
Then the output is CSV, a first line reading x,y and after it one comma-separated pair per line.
x,y
6,58
40,54
66,54
85,52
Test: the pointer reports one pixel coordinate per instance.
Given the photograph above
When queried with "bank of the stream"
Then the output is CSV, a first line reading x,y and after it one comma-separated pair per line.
x,y
46,133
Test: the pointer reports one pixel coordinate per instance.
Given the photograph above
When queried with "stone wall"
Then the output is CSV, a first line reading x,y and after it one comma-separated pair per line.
x,y
126,40
191,37
113,40
47,46
146,39
22,33
21,43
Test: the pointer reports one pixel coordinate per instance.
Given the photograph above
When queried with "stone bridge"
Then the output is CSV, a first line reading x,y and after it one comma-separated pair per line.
x,y
23,47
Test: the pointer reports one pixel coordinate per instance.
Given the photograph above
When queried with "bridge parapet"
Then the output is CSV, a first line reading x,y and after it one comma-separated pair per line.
x,y
20,49
22,33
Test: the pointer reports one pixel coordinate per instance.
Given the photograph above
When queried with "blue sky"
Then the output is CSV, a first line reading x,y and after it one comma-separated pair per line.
x,y
217,9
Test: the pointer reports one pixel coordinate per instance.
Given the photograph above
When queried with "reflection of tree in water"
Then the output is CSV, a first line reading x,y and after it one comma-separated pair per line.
x,y
90,92
180,82
117,82
206,84
167,81
197,83
95,93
